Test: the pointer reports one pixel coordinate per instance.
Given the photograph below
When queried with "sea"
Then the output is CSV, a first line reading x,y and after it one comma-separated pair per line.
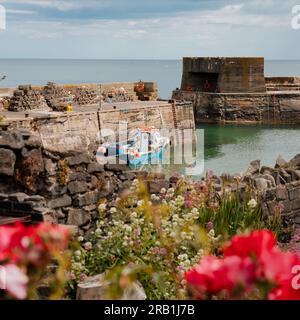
x,y
227,148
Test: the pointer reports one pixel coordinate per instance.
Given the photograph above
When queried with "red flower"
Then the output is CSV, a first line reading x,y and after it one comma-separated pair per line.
x,y
21,243
285,292
249,261
214,275
255,244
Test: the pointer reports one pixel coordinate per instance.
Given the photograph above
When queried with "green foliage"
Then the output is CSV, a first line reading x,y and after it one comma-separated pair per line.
x,y
159,237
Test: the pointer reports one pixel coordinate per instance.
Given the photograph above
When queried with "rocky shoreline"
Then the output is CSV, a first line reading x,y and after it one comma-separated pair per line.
x,y
66,188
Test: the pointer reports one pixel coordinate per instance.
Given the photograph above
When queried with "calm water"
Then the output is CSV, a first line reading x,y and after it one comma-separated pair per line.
x,y
167,73
230,148
227,148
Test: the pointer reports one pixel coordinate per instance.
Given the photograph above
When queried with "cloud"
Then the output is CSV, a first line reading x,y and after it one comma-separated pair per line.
x,y
14,11
228,27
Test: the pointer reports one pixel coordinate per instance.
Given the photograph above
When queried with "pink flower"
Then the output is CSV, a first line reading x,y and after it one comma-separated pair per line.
x,y
209,225
163,251
14,281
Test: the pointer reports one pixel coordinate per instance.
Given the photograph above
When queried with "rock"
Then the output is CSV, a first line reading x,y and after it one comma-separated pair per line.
x,y
60,202
90,208
86,199
78,217
7,162
266,170
296,204
53,188
73,230
280,162
11,139
295,175
261,184
116,167
286,178
294,194
253,168
128,175
95,288
18,197
77,187
33,142
156,186
81,158
95,167
217,187
270,178
295,162
79,176
50,167
3,196
281,193
36,201
44,215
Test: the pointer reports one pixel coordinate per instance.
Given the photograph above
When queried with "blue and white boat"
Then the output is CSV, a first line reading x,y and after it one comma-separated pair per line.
x,y
146,146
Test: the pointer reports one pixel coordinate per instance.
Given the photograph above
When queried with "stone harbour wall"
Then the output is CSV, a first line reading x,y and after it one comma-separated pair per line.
x,y
66,187
80,131
272,108
57,187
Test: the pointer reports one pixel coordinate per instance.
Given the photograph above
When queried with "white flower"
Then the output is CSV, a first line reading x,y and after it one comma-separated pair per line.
x,y
133,215
102,207
140,203
77,253
163,190
80,239
195,211
113,210
88,246
98,232
252,204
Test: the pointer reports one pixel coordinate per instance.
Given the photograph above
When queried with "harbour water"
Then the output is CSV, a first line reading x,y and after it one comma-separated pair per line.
x,y
167,73
227,148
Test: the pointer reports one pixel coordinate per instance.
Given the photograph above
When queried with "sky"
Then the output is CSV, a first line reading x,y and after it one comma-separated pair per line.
x,y
148,29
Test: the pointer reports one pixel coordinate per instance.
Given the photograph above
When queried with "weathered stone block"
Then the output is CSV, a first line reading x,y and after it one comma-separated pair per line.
x,y
294,194
295,162
281,193
95,167
77,187
18,197
79,176
285,176
7,162
60,202
78,217
50,167
82,158
287,206
86,199
296,204
261,184
53,188
116,167
13,140
96,288
156,186
280,162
